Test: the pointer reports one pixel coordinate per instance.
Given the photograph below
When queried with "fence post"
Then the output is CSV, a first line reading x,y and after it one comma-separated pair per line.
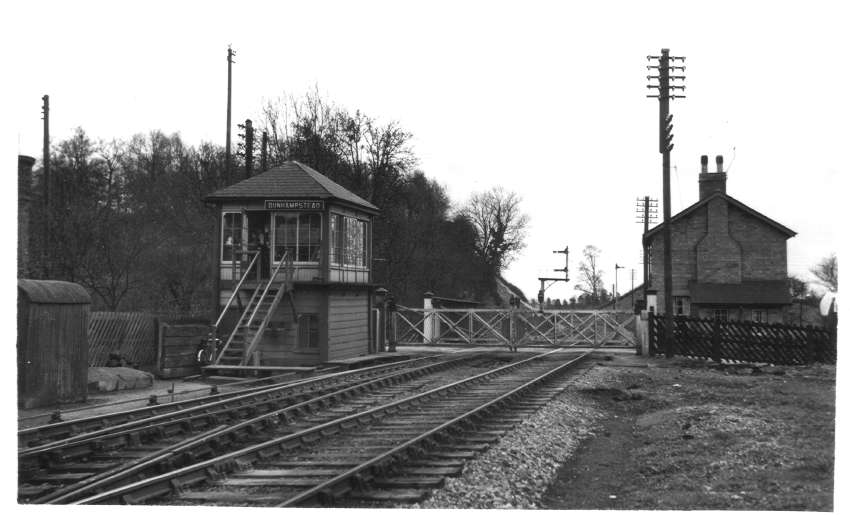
x,y
715,342
511,335
428,320
393,328
650,333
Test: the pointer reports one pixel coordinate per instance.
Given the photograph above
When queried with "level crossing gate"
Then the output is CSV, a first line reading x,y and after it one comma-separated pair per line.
x,y
513,327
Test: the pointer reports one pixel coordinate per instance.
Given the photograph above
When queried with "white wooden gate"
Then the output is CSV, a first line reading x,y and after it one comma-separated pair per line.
x,y
514,327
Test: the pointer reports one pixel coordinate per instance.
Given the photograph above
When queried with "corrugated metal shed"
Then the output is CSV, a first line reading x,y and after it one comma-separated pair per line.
x,y
52,342
289,180
53,292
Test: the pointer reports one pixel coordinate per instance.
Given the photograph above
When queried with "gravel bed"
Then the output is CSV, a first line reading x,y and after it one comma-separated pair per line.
x,y
515,472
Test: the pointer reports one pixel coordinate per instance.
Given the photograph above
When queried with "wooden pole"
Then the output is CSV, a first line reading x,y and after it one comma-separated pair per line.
x,y
264,152
47,221
227,138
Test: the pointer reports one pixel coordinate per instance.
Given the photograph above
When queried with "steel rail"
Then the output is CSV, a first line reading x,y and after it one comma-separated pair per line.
x,y
218,437
195,405
70,428
286,377
200,472
355,477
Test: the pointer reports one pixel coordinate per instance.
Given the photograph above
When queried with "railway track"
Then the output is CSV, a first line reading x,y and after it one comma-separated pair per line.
x,y
43,434
63,470
396,450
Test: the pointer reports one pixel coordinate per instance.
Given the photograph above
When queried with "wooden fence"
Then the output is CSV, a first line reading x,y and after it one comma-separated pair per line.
x,y
131,335
177,348
744,341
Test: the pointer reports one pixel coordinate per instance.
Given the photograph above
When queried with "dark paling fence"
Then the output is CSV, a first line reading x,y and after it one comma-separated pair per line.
x,y
131,335
744,341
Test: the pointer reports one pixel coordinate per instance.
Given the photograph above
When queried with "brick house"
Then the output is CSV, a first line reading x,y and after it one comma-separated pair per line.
x,y
729,260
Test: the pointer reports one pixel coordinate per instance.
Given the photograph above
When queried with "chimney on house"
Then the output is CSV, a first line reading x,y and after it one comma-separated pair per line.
x,y
710,183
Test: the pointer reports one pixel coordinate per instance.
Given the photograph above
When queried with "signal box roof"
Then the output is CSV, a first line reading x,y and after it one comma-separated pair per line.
x,y
290,180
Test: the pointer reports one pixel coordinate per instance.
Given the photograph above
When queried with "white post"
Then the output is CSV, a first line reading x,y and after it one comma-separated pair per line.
x,y
429,327
642,330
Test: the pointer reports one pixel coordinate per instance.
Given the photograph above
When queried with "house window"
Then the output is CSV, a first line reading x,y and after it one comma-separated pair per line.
x,y
298,234
759,315
308,331
231,235
680,305
721,315
348,241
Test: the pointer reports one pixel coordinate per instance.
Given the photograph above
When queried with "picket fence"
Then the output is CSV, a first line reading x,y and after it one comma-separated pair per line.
x,y
740,341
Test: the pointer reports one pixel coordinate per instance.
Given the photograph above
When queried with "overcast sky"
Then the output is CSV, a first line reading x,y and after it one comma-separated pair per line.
x,y
546,99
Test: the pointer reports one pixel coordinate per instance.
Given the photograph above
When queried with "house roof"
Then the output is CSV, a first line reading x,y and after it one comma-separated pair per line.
x,y
737,203
637,291
289,180
746,292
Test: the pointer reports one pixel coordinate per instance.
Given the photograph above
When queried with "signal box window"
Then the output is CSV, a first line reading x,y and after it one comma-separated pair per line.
x,y
231,235
309,236
759,315
348,241
298,234
721,315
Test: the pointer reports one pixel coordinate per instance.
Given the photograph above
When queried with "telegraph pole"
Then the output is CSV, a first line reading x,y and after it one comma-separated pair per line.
x,y
230,54
247,146
45,158
666,92
647,211
264,152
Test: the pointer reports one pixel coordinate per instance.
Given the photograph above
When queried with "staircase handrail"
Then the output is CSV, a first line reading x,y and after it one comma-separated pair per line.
x,y
287,260
268,285
217,358
236,291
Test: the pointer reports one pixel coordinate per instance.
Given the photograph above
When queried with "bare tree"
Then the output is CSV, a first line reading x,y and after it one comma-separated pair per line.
x,y
590,275
827,272
499,224
797,287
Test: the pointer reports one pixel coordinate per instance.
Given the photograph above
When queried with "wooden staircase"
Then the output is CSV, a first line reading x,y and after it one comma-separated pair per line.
x,y
242,344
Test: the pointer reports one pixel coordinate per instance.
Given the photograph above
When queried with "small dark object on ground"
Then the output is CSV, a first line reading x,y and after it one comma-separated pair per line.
x,y
116,359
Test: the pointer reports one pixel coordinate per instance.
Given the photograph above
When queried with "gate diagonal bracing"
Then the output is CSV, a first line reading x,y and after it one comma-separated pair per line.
x,y
514,327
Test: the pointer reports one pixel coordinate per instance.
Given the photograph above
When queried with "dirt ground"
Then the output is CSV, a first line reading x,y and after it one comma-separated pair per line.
x,y
687,435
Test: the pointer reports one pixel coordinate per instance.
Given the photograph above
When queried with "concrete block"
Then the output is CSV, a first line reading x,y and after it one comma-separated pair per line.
x,y
110,379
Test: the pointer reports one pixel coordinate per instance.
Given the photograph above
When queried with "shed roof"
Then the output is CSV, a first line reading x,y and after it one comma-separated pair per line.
x,y
289,180
737,203
746,292
52,292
